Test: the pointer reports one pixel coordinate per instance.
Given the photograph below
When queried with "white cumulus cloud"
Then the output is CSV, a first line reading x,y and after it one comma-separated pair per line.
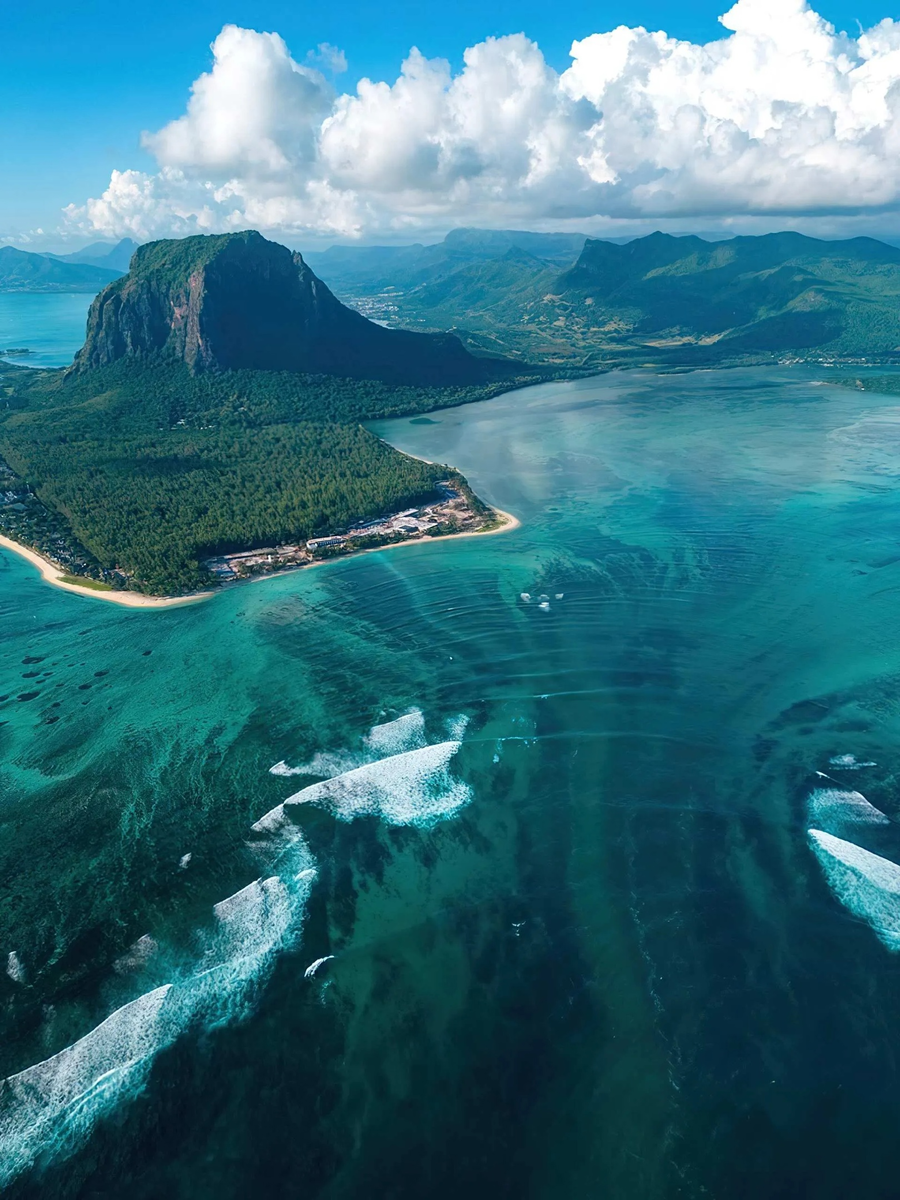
x,y
780,116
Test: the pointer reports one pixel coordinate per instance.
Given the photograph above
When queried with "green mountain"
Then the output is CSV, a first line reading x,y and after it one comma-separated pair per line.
x,y
21,271
356,270
678,299
238,301
102,254
212,409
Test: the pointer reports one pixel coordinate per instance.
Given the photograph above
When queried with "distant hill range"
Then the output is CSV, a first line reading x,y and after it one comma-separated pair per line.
x,y
558,299
86,270
238,302
661,298
354,268
21,271
102,254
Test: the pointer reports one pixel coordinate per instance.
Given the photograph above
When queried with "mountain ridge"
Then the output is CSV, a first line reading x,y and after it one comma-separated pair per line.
x,y
110,256
678,299
22,271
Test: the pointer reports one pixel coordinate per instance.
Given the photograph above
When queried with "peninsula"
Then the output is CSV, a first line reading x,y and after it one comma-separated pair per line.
x,y
216,410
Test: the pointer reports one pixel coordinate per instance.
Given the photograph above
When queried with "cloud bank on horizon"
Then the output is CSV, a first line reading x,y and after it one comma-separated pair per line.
x,y
780,117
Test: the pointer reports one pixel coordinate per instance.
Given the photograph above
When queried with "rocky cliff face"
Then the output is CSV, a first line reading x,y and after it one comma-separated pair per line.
x,y
238,301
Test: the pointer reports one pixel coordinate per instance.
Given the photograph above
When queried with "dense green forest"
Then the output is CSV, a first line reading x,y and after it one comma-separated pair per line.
x,y
154,468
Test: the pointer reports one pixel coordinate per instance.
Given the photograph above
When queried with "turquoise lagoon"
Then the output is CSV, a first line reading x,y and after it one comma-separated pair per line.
x,y
549,796
49,325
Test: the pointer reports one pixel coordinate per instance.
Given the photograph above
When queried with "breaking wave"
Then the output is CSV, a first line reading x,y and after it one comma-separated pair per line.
x,y
848,762
393,737
48,1110
398,777
412,788
836,810
406,732
866,884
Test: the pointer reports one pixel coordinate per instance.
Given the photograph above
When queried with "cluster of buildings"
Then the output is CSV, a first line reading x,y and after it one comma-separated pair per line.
x,y
412,522
11,500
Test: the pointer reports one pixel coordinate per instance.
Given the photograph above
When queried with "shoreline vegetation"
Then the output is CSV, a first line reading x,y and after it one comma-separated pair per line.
x,y
55,575
134,474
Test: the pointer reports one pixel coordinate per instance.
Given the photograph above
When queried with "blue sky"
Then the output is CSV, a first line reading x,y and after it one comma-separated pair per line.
x,y
79,83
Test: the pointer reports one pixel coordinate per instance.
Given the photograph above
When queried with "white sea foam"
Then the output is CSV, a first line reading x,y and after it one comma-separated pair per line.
x,y
184,861
545,605
251,923
136,956
322,764
865,883
834,810
271,822
406,732
393,737
848,762
456,727
49,1109
413,788
314,966
14,968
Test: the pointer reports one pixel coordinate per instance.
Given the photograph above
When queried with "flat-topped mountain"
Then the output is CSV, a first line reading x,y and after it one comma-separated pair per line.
x,y
237,301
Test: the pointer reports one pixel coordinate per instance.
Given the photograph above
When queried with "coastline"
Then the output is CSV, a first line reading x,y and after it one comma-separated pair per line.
x,y
509,524
53,574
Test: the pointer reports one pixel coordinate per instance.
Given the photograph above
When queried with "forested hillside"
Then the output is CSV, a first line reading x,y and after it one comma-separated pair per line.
x,y
154,468
677,300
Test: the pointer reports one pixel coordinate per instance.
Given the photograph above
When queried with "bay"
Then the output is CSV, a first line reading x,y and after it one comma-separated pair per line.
x,y
49,325
582,941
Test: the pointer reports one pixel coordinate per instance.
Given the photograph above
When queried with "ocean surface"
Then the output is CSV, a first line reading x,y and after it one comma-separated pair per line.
x,y
49,325
482,868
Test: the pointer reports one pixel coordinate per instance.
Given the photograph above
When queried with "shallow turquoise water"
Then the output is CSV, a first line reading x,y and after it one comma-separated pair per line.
x,y
49,325
582,941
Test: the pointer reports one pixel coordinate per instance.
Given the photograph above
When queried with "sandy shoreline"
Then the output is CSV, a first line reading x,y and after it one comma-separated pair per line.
x,y
53,574
509,523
